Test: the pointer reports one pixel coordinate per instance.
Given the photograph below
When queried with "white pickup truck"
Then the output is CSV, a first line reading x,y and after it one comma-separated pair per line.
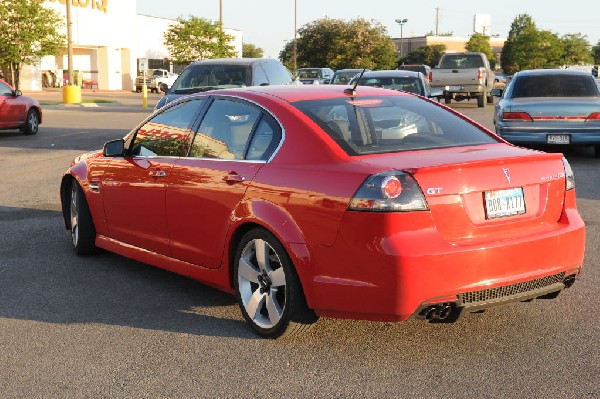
x,y
464,76
154,78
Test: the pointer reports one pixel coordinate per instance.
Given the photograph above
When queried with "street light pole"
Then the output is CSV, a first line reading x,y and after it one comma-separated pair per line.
x,y
295,48
401,22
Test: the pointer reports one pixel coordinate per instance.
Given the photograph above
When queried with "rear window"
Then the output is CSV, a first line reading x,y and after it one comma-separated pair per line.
x,y
373,125
461,61
406,83
559,85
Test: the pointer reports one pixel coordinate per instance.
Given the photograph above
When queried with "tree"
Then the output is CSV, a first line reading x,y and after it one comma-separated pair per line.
x,y
197,39
339,44
576,49
481,43
529,48
429,55
28,32
596,53
251,51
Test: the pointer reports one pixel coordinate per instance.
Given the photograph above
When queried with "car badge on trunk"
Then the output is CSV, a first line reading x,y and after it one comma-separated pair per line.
x,y
507,174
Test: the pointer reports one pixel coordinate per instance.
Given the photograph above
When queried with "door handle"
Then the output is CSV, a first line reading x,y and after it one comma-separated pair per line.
x,y
157,173
233,178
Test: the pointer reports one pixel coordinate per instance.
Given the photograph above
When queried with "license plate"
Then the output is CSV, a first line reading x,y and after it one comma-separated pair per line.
x,y
454,88
501,203
558,139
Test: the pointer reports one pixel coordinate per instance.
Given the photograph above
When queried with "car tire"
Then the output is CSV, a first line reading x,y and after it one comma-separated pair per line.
x,y
32,123
83,232
138,89
490,99
267,287
481,101
597,151
447,99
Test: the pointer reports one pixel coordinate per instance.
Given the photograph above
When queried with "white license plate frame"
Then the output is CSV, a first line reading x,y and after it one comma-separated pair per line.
x,y
558,139
504,203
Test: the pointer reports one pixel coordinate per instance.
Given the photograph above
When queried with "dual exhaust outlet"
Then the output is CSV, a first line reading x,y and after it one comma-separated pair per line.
x,y
437,312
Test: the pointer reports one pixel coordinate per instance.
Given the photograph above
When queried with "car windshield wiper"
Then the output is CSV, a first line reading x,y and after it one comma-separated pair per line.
x,y
194,90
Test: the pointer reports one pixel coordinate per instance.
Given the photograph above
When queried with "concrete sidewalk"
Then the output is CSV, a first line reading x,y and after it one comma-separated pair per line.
x,y
52,98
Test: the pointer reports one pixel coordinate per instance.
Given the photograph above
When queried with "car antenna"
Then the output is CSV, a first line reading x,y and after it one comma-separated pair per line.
x,y
352,91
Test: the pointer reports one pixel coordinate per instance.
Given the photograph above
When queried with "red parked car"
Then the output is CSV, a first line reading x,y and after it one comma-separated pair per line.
x,y
327,201
18,111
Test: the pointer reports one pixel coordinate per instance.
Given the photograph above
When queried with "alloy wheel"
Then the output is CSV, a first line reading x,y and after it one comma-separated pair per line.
x,y
262,283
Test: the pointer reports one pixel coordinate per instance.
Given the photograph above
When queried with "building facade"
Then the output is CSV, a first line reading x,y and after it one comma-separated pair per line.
x,y
108,38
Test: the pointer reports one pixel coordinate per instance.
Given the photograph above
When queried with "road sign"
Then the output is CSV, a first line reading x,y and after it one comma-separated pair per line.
x,y
143,64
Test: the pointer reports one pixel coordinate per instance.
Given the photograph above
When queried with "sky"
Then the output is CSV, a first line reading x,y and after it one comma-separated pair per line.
x,y
269,24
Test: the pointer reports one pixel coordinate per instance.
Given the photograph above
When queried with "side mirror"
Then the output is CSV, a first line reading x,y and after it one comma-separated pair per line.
x,y
114,148
164,87
326,81
17,93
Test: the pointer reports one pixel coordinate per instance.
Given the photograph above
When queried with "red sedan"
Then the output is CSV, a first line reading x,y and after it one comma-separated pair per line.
x,y
18,111
324,201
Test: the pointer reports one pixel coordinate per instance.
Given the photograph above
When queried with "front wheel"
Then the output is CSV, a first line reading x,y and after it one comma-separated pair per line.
x,y
32,123
83,232
267,287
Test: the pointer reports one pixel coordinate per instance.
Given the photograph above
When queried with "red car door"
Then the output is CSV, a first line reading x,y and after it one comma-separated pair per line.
x,y
12,109
231,145
133,187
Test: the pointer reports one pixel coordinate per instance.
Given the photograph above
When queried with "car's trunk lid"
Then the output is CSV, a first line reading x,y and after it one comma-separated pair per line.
x,y
459,183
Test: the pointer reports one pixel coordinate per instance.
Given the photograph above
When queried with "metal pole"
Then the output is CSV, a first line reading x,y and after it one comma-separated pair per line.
x,y
295,49
69,44
221,13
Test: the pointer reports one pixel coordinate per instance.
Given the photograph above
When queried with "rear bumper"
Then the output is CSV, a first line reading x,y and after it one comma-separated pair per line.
x,y
395,273
528,135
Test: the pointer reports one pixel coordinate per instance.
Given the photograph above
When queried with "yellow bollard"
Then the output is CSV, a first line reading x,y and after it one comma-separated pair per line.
x,y
144,95
71,94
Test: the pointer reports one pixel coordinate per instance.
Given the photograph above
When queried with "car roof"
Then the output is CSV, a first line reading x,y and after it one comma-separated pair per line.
x,y
391,73
293,93
233,61
530,72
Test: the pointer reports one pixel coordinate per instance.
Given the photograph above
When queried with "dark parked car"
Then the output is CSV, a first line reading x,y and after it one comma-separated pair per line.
x,y
311,76
424,69
411,81
18,111
221,73
343,76
550,106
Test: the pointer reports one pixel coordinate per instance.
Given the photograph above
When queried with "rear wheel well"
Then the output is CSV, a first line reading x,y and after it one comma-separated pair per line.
x,y
65,196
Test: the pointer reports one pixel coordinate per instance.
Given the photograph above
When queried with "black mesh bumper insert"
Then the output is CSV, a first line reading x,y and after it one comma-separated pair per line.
x,y
510,290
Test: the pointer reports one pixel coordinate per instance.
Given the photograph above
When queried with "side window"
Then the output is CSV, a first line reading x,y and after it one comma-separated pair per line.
x,y
167,133
277,73
225,130
259,77
265,140
5,90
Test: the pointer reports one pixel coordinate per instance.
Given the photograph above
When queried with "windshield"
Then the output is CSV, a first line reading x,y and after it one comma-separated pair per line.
x,y
559,85
207,77
375,125
344,77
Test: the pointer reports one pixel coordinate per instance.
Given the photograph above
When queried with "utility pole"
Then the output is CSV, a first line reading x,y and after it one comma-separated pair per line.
x,y
221,13
437,19
295,48
70,45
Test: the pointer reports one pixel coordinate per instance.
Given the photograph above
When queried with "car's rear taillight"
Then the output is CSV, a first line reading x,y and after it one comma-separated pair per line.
x,y
516,116
593,117
569,176
430,77
480,75
391,191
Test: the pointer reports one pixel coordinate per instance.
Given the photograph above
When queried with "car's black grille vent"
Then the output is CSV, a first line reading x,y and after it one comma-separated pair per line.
x,y
508,290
